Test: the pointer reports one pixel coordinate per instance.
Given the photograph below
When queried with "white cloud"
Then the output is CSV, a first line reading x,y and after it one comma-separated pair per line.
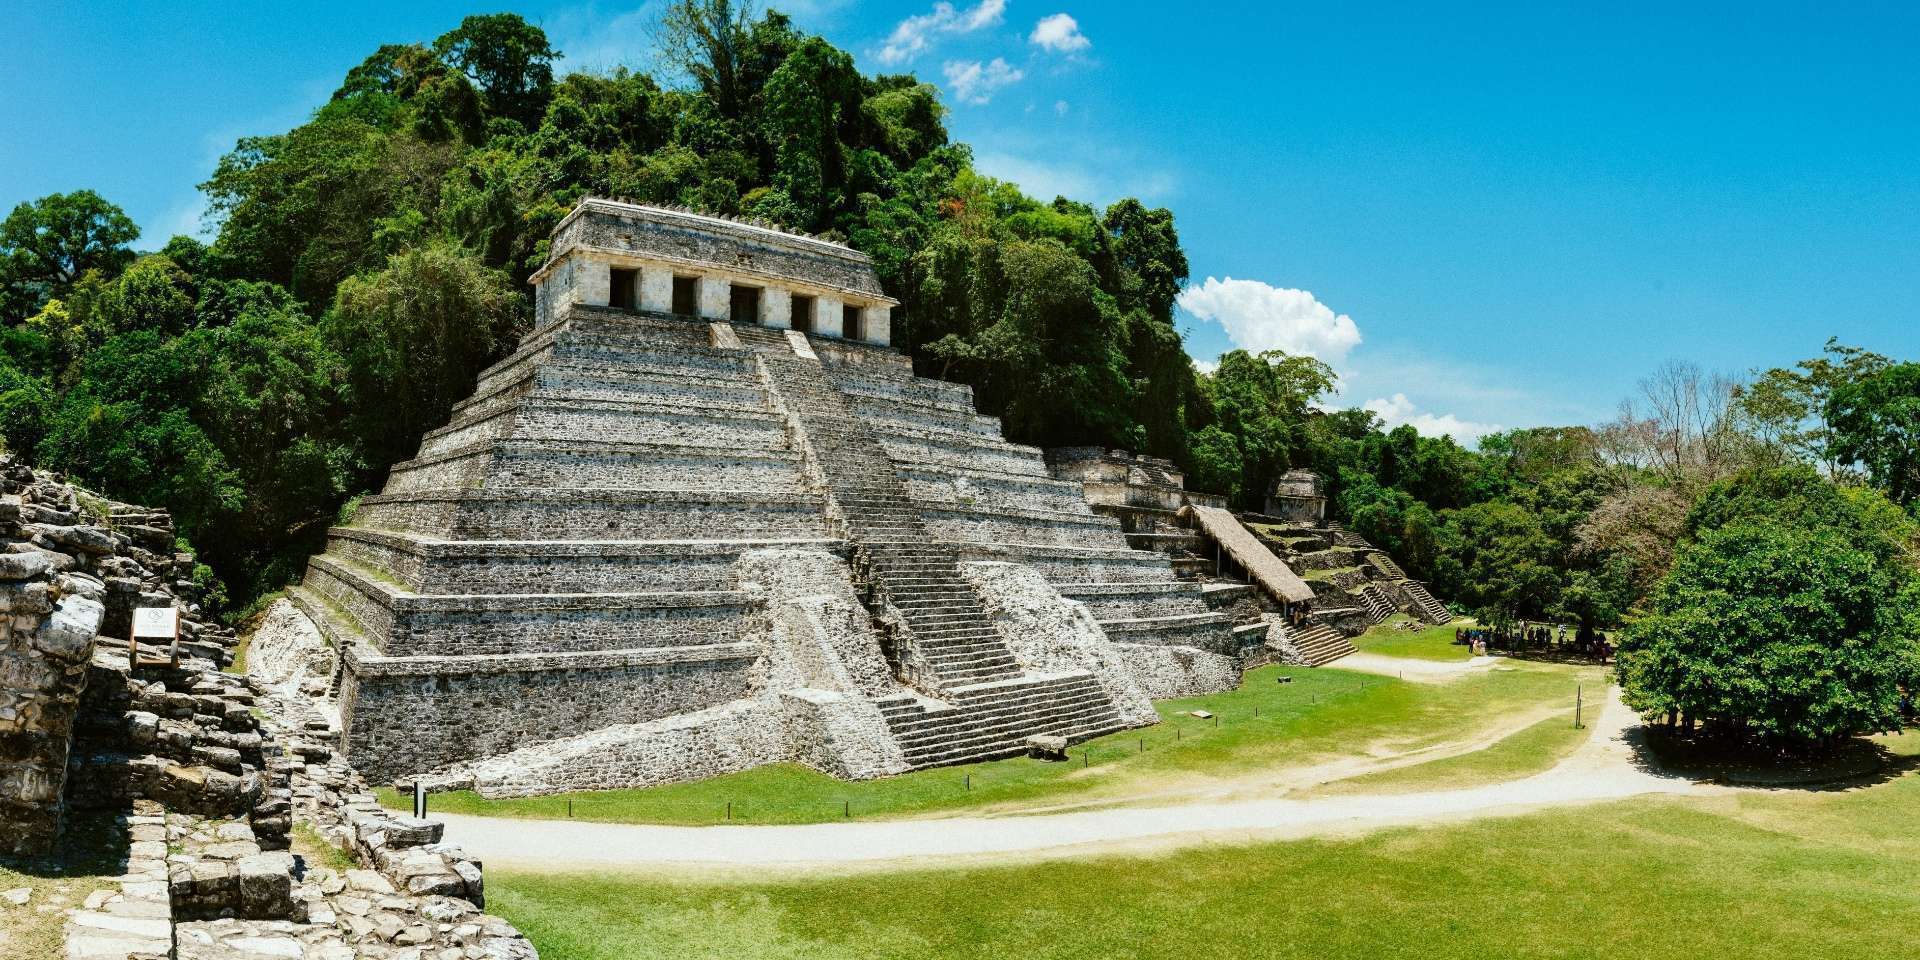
x,y
1260,317
974,82
1059,33
1397,410
914,35
1059,108
1208,367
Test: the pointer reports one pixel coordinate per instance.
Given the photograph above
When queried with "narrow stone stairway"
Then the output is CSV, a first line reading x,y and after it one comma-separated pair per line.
x,y
952,642
986,705
1320,644
1429,606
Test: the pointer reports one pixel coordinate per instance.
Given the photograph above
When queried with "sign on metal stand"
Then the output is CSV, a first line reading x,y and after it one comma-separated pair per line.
x,y
161,626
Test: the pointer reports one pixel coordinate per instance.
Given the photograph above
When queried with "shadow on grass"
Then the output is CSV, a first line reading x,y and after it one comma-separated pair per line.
x,y
1559,656
93,844
1859,762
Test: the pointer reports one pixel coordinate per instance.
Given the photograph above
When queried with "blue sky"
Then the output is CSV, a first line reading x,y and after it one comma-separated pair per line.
x,y
1496,216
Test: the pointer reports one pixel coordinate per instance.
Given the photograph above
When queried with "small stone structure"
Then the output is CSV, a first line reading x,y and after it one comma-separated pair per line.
x,y
703,518
676,262
1299,496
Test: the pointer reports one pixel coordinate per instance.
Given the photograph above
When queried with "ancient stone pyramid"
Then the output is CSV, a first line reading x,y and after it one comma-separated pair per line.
x,y
566,555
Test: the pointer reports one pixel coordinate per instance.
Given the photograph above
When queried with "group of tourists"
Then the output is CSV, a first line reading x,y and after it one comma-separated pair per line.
x,y
1525,636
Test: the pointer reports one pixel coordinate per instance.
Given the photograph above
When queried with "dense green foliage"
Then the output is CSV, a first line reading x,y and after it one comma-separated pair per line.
x,y
371,260
1788,617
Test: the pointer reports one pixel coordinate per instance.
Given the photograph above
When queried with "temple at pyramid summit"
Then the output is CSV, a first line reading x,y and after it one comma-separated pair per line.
x,y
705,518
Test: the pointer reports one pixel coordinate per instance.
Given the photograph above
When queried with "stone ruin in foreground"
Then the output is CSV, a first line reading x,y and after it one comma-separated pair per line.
x,y
704,518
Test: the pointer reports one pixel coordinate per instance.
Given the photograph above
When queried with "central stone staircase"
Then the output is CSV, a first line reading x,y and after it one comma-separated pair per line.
x,y
979,703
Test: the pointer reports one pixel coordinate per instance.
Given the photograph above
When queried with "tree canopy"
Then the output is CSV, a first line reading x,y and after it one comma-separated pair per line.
x,y
371,260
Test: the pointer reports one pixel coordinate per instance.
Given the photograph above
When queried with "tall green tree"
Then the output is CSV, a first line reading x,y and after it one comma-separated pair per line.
x,y
1876,423
411,338
508,58
1787,636
47,245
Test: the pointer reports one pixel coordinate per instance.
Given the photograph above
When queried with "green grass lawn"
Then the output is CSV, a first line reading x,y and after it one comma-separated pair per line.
x,y
1532,750
1389,638
1319,714
1780,875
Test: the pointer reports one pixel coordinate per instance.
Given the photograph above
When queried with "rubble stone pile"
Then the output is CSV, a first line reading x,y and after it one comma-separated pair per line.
x,y
208,772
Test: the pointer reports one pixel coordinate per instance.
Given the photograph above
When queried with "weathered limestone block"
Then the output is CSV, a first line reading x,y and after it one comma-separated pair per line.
x,y
776,308
841,734
879,325
820,636
287,649
656,289
1166,672
827,317
44,650
715,297
1049,633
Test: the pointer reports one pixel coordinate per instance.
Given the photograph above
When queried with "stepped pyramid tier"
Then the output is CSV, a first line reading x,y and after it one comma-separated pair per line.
x,y
704,518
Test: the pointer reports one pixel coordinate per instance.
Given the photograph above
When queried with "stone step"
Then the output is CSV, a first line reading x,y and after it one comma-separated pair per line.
x,y
972,729
1011,740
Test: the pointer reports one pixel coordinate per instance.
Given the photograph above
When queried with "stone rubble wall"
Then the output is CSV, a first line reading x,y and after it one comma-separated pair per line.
x,y
74,565
688,746
1051,634
495,567
487,514
193,759
402,624
1166,672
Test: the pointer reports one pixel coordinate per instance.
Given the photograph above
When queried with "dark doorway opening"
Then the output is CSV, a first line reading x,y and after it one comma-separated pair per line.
x,y
852,322
622,286
686,296
746,304
802,316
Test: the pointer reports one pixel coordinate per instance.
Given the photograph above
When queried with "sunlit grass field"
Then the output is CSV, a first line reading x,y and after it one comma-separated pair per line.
x,y
1787,875
1280,718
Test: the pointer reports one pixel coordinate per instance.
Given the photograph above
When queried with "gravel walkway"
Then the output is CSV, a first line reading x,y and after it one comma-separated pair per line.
x,y
1411,668
1605,768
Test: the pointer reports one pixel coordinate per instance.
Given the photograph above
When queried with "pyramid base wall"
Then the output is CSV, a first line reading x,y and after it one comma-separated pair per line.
x,y
397,724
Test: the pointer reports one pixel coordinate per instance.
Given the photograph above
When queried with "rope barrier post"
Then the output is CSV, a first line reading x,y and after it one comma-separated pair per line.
x,y
569,808
969,783
1577,704
729,809
846,809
